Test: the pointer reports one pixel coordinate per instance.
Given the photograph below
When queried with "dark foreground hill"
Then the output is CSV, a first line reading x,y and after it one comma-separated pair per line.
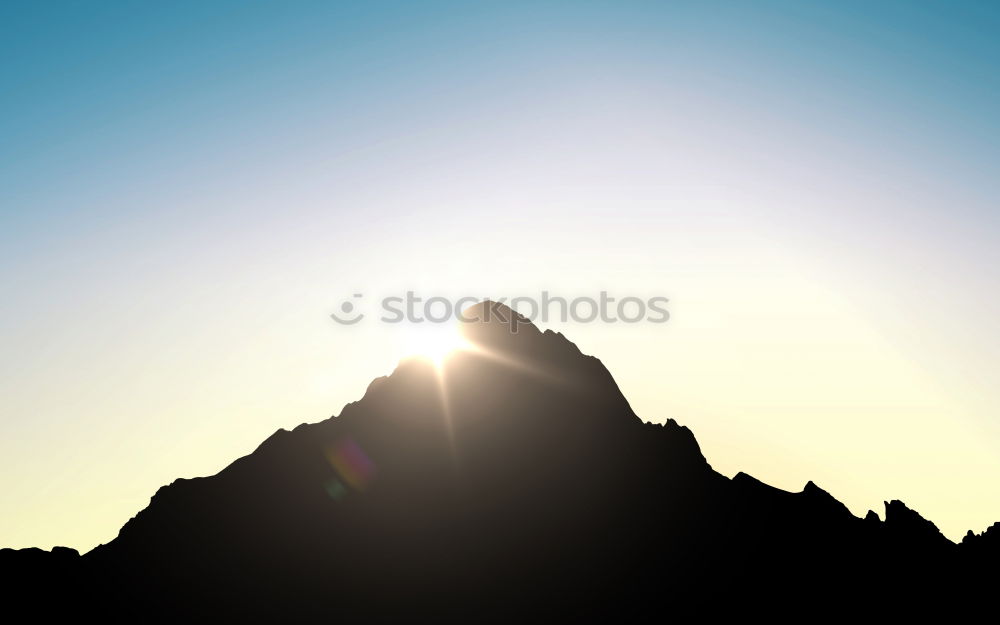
x,y
515,483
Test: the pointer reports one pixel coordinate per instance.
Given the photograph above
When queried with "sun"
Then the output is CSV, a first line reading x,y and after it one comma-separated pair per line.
x,y
434,342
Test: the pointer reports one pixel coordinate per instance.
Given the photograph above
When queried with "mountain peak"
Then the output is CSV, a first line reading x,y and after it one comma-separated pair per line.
x,y
493,324
516,464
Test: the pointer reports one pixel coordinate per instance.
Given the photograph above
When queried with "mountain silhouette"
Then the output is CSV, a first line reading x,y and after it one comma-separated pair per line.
x,y
512,483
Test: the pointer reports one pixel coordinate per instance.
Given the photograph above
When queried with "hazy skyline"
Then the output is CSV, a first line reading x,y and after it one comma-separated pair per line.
x,y
188,191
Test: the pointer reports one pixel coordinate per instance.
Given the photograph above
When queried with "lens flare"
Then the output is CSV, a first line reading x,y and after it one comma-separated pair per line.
x,y
353,466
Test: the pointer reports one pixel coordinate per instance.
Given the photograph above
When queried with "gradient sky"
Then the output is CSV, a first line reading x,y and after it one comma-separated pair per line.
x,y
187,190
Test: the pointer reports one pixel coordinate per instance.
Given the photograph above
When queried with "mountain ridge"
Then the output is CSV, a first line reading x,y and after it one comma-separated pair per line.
x,y
516,465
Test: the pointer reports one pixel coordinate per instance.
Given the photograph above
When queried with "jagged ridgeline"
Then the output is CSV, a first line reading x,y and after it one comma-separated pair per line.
x,y
514,482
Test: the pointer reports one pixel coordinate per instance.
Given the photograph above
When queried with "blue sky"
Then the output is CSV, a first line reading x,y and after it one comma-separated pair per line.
x,y
187,188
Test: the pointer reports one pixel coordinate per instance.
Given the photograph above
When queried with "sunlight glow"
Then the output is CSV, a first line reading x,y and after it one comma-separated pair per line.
x,y
435,342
